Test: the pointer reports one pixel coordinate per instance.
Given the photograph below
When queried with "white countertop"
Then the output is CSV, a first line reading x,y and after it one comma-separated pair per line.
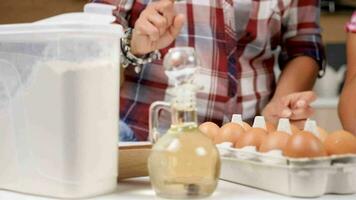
x,y
139,188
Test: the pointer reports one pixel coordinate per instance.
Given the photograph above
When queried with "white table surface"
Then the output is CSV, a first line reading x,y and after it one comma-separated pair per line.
x,y
139,188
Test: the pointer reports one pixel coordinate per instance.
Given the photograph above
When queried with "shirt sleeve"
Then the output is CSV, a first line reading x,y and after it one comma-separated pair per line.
x,y
122,11
301,33
351,26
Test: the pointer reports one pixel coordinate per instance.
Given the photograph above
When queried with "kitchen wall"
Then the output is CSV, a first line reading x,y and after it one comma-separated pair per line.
x,y
328,88
19,11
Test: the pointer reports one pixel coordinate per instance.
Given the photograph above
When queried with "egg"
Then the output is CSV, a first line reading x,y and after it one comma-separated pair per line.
x,y
275,141
252,137
340,142
229,132
304,144
270,127
322,134
294,129
237,118
210,129
246,126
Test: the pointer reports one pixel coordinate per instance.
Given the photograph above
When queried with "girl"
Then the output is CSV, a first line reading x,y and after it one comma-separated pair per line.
x,y
347,106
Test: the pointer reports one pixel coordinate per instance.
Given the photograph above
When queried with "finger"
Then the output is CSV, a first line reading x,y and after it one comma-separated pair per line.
x,y
306,99
285,113
285,100
177,25
144,27
302,99
169,14
270,118
281,108
162,5
302,113
299,99
166,9
159,22
274,110
298,123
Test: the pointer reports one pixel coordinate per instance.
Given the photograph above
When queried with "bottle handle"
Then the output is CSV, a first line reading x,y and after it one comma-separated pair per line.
x,y
155,107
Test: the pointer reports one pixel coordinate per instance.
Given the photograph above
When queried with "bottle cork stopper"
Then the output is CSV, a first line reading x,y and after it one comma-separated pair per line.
x,y
259,122
284,125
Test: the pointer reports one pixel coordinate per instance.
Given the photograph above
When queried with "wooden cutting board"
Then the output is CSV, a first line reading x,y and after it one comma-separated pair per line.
x,y
133,159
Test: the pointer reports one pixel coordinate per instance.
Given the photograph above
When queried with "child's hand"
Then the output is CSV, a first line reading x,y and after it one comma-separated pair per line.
x,y
156,28
295,106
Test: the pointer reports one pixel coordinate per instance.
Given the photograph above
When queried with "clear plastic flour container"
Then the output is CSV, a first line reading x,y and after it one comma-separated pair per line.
x,y
59,87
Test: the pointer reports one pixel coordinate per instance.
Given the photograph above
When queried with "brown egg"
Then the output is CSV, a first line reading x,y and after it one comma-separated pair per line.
x,y
252,137
304,144
271,127
246,126
274,141
230,132
340,142
294,129
323,134
210,129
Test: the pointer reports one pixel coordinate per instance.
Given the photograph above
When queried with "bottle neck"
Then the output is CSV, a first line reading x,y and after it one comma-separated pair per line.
x,y
182,117
183,105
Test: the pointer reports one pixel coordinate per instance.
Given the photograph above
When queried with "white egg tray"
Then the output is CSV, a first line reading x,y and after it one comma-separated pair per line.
x,y
293,177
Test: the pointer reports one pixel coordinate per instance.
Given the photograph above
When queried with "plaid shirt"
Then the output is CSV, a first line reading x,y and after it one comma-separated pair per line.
x,y
351,26
238,42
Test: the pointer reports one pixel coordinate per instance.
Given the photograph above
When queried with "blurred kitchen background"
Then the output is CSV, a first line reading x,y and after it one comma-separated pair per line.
x,y
335,13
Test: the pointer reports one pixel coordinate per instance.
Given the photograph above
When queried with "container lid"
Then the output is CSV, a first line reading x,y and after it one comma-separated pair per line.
x,y
80,18
60,28
99,8
66,23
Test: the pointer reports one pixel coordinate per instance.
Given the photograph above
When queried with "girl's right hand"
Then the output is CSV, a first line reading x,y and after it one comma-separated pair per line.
x,y
156,28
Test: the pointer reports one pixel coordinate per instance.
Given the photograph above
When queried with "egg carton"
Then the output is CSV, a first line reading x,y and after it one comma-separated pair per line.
x,y
299,177
293,180
289,176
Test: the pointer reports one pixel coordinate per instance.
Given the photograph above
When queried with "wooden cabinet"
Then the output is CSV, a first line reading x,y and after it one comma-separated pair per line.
x,y
333,26
12,11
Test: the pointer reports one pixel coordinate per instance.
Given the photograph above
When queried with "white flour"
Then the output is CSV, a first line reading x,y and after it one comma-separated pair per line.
x,y
70,108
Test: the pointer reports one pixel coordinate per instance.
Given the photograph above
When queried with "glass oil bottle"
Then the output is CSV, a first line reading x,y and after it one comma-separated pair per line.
x,y
184,163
